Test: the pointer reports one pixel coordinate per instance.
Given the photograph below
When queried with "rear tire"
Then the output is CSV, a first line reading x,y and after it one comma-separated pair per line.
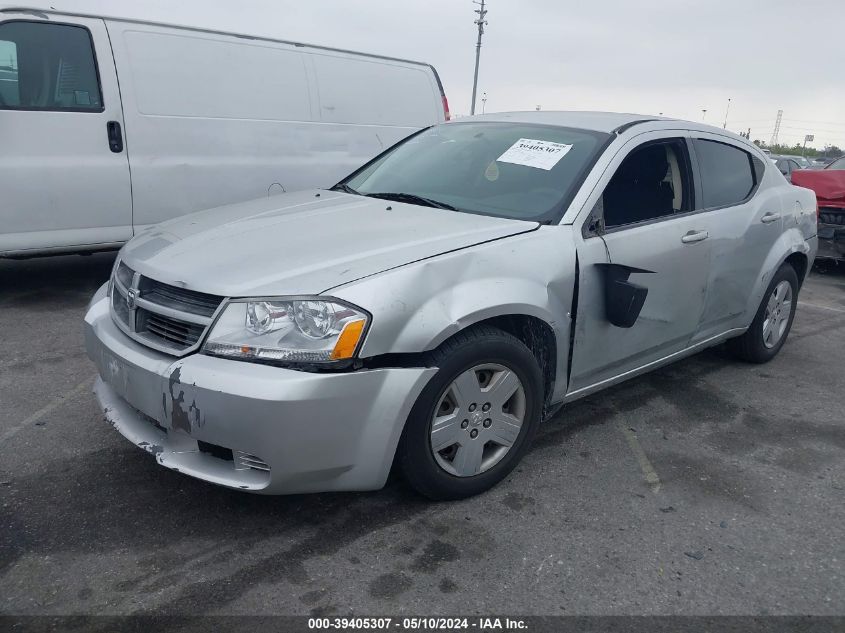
x,y
475,418
773,321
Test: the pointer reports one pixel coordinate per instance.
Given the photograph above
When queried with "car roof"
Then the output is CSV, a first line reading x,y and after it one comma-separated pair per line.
x,y
584,120
608,122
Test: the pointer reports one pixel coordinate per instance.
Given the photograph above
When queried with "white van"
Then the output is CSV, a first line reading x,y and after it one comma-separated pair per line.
x,y
108,126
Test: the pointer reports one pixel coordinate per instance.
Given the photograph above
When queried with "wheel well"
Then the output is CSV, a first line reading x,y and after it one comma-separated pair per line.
x,y
539,337
535,333
799,262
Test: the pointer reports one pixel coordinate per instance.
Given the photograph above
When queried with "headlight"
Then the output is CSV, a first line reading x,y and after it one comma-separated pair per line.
x,y
307,330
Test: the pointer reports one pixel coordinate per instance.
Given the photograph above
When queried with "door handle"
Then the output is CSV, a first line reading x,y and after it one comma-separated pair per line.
x,y
695,236
770,217
115,137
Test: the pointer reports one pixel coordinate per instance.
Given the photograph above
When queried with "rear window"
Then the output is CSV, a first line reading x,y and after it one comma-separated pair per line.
x,y
727,173
47,67
520,171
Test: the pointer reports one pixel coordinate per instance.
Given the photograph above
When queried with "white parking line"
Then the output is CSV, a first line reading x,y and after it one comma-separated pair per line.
x,y
804,304
11,432
645,465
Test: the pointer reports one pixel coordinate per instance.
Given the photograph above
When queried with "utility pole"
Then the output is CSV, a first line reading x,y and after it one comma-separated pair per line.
x,y
481,22
774,140
725,126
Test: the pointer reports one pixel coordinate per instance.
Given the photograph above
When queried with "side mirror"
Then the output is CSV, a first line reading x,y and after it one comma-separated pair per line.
x,y
623,300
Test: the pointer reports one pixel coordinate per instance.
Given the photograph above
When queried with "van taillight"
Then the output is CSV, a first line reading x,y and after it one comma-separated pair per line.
x,y
446,108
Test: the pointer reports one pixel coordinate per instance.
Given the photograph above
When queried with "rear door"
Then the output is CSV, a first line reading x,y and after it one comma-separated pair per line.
x,y
744,222
64,181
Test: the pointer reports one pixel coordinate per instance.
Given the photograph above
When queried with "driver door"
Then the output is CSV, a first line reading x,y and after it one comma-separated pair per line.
x,y
64,172
646,203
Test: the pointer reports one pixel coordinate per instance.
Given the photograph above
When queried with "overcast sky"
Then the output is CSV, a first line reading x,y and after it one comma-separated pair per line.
x,y
647,56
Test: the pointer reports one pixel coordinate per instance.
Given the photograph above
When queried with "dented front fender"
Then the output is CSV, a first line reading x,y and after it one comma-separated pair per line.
x,y
418,306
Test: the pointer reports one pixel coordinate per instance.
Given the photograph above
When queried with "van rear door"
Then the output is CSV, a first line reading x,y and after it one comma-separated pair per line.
x,y
64,173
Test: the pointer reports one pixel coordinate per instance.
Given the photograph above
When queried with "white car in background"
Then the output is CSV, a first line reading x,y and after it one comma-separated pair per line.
x,y
109,126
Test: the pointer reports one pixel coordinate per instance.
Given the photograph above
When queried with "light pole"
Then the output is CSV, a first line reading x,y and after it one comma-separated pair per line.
x,y
728,109
482,12
483,102
703,113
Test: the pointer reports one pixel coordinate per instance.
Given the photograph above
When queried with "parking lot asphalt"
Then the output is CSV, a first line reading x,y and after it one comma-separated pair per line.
x,y
707,487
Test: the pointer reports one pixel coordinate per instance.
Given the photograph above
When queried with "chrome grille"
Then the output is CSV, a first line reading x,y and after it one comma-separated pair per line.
x,y
124,274
175,332
178,298
167,318
119,306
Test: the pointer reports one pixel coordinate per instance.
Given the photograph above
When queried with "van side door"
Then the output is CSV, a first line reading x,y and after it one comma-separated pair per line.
x,y
64,172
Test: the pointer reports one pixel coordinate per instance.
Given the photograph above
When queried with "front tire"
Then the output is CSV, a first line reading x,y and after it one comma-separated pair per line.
x,y
773,321
476,417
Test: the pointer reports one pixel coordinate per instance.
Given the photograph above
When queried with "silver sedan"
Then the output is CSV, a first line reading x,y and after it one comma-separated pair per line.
x,y
435,306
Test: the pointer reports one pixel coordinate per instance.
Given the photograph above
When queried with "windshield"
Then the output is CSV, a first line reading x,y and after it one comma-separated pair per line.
x,y
519,171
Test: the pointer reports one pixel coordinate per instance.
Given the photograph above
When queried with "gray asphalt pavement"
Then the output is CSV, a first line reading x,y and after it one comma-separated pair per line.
x,y
708,487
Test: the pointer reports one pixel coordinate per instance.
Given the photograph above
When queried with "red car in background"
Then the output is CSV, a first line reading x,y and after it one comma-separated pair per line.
x,y
829,185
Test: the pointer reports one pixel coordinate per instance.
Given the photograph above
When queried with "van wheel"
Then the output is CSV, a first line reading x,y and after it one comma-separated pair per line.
x,y
767,334
476,417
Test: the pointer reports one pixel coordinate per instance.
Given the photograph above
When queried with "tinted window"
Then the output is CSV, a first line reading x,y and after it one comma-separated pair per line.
x,y
47,67
8,73
651,182
727,174
520,171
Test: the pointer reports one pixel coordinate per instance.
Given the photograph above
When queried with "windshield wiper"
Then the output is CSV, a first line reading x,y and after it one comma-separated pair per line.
x,y
412,199
345,189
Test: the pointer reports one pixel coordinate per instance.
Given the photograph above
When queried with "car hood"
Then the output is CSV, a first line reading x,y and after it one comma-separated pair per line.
x,y
303,243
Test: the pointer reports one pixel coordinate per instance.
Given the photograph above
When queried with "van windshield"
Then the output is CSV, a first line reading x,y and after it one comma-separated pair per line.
x,y
519,171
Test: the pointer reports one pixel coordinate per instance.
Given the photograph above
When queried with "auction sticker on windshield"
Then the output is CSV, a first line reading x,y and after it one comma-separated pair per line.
x,y
534,153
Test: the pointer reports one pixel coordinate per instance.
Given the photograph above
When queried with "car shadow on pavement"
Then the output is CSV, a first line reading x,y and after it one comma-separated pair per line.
x,y
57,282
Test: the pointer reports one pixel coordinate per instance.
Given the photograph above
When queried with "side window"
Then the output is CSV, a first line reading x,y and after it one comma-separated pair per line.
x,y
652,182
8,73
47,67
728,174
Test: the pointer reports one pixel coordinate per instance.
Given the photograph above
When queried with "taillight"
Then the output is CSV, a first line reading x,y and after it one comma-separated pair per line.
x,y
446,108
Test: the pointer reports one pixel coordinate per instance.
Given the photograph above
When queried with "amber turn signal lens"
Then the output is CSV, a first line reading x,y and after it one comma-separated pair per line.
x,y
348,340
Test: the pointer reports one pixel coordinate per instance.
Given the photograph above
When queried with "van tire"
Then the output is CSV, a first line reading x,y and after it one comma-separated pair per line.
x,y
750,346
487,348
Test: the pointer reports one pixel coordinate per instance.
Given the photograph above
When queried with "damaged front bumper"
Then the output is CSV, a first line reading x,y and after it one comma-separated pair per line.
x,y
247,426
